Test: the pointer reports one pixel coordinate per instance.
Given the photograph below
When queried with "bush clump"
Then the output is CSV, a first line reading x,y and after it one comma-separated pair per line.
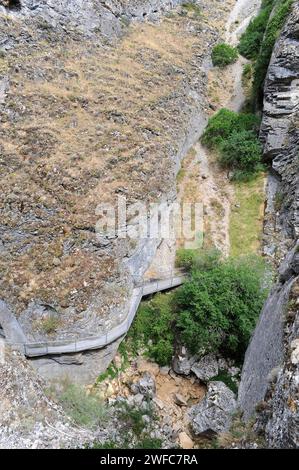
x,y
152,329
235,136
201,259
252,38
224,54
241,153
86,410
275,24
216,310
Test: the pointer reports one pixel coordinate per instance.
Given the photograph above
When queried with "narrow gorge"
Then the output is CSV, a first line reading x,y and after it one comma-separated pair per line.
x,y
112,340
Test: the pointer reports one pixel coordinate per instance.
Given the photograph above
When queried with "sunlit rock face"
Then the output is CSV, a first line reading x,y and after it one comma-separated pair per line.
x,y
90,109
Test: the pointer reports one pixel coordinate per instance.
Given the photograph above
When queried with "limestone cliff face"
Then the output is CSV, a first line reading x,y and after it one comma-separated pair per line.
x,y
270,375
90,109
106,17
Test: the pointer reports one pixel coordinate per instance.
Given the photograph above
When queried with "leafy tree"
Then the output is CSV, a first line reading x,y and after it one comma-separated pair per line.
x,y
217,309
242,151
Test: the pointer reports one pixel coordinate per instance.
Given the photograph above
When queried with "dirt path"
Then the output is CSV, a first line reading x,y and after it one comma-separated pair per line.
x,y
202,176
239,19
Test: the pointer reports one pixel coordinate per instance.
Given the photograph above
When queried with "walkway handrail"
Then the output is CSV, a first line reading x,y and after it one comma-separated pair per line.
x,y
44,348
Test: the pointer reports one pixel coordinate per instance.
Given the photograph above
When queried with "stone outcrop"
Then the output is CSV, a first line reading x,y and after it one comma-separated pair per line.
x,y
214,413
206,368
107,17
72,138
270,373
183,361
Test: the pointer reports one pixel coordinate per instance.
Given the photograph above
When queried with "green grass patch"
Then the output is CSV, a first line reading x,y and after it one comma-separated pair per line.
x,y
85,410
223,55
134,432
246,220
247,74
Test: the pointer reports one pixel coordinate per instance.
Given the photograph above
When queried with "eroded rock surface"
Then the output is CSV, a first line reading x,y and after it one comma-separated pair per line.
x,y
269,379
214,413
28,418
83,122
206,368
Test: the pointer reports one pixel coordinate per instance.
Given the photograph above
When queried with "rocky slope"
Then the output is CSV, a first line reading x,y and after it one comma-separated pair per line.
x,y
271,369
28,418
83,121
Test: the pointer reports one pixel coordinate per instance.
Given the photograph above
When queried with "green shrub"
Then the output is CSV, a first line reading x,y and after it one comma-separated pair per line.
x,y
234,135
152,329
224,123
148,442
252,38
193,8
274,26
200,259
224,54
217,309
86,410
247,71
242,153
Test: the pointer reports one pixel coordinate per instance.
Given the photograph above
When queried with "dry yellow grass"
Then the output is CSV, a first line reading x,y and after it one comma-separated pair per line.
x,y
89,120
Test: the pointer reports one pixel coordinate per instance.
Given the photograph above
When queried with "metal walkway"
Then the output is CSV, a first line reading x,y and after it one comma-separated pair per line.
x,y
35,349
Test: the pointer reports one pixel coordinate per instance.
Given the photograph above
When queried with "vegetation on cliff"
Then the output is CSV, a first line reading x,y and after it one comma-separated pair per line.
x,y
215,310
258,40
235,137
224,54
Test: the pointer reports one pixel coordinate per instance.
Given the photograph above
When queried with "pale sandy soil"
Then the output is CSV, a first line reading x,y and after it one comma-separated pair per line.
x,y
202,176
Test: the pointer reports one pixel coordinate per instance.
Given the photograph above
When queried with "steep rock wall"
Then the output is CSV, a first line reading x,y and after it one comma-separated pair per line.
x,y
270,373
106,17
82,122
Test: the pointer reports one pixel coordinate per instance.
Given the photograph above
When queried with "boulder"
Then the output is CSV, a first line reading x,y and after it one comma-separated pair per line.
x,y
182,362
213,414
185,441
146,386
164,370
180,400
206,368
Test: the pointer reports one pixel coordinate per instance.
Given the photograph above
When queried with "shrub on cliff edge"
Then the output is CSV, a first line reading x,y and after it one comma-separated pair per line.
x,y
224,54
216,310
